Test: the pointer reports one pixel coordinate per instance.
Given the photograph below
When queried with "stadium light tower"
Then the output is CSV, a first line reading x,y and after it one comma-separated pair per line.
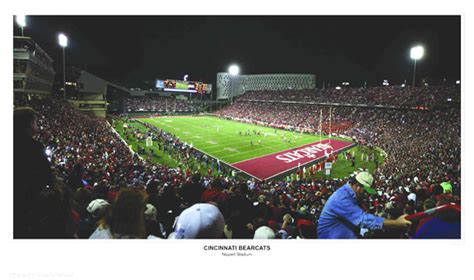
x,y
415,54
234,72
21,21
62,39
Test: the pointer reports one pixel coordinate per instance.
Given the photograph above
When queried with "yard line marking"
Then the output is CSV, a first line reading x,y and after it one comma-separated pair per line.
x,y
214,150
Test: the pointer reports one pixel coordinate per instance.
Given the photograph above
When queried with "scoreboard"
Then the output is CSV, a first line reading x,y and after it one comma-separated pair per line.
x,y
183,86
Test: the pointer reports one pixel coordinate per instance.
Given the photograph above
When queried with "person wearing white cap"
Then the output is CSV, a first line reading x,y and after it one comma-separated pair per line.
x,y
153,228
97,207
200,221
342,217
264,232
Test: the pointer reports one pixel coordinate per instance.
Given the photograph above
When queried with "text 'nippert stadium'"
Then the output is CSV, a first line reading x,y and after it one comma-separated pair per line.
x,y
341,153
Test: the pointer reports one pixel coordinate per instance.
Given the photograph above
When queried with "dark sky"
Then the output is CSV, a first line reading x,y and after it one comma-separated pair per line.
x,y
132,49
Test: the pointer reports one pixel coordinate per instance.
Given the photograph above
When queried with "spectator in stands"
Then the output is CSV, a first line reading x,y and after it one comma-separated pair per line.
x,y
215,193
31,172
200,221
96,210
417,158
168,206
307,231
126,219
240,213
264,232
443,225
52,214
343,218
153,227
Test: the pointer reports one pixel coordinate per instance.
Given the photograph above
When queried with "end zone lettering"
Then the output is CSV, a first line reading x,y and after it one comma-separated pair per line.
x,y
272,165
309,152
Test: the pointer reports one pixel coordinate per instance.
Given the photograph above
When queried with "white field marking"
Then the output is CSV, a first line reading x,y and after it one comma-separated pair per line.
x,y
175,128
231,150
309,162
272,148
253,137
168,120
223,135
211,142
186,132
240,144
275,148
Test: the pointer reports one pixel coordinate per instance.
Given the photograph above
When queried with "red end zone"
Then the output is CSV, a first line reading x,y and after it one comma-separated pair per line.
x,y
277,163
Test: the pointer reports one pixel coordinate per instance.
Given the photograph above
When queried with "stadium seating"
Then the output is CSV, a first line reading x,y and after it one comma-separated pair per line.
x,y
422,146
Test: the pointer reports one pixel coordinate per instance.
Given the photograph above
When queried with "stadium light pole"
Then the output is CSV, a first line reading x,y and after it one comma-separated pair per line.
x,y
234,72
415,54
21,21
63,43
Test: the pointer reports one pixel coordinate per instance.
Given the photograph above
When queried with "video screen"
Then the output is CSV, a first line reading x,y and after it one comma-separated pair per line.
x,y
183,86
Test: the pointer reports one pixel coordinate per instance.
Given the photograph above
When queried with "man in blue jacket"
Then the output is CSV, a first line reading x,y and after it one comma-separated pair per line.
x,y
342,217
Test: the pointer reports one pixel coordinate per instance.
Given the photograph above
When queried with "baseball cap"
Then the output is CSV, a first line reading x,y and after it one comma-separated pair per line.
x,y
264,232
97,207
366,180
202,220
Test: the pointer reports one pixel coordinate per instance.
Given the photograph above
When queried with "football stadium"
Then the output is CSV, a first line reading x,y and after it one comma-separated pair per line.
x,y
140,146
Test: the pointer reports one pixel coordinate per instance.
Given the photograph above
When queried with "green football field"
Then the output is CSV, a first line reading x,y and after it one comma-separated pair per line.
x,y
226,140
221,139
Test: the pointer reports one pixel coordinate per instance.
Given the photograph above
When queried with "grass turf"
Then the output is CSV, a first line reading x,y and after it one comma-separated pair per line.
x,y
221,139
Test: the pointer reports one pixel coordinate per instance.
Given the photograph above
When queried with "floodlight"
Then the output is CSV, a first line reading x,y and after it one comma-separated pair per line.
x,y
234,70
21,20
62,40
417,52
458,82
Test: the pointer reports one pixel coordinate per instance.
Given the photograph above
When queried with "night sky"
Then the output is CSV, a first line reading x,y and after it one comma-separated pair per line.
x,y
130,50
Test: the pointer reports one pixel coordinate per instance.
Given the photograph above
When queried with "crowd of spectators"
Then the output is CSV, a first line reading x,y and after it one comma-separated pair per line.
x,y
157,104
392,96
101,189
